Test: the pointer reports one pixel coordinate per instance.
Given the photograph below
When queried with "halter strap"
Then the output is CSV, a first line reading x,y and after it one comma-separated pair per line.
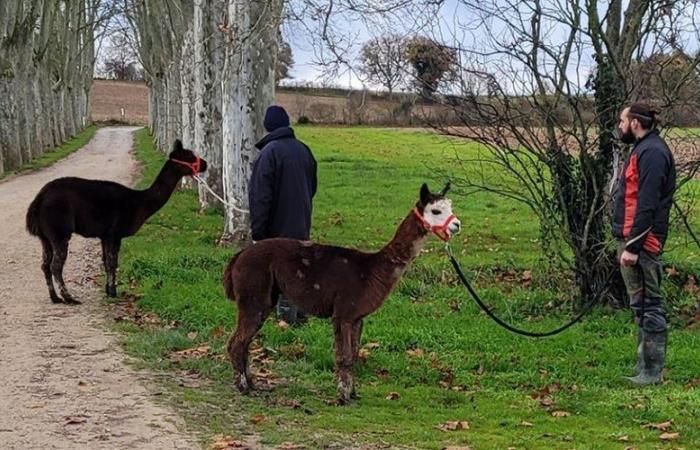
x,y
194,166
439,230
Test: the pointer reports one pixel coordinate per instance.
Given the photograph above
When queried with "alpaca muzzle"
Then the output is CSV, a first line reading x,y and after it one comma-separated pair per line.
x,y
195,166
445,230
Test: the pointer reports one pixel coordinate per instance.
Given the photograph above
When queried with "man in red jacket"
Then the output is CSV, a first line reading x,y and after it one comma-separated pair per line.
x,y
640,223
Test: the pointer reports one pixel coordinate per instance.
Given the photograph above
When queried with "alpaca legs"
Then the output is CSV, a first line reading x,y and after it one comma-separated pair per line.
x,y
356,339
249,323
344,359
60,253
46,268
110,258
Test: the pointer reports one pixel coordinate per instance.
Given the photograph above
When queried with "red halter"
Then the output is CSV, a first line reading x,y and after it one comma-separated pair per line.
x,y
439,230
195,166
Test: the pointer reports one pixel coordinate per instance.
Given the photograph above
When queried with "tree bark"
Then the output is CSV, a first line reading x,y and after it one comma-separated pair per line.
x,y
248,88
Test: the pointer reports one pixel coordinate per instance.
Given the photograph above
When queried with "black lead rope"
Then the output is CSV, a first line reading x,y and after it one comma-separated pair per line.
x,y
508,326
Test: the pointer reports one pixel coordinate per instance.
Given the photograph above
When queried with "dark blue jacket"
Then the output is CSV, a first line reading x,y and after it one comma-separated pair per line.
x,y
644,195
282,187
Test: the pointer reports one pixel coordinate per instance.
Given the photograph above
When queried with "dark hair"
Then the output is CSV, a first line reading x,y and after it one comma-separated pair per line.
x,y
645,114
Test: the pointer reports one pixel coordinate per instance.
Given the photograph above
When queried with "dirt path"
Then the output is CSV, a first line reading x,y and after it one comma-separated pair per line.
x,y
63,381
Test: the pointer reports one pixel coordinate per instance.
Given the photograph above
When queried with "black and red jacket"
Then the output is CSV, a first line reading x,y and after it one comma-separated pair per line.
x,y
645,195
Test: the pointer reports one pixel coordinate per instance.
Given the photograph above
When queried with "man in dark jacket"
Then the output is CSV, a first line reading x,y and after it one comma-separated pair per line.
x,y
640,223
281,190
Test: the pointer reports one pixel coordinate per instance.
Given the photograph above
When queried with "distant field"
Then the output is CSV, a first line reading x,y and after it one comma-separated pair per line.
x,y
109,97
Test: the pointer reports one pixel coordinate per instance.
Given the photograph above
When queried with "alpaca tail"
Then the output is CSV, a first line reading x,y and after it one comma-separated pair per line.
x,y
227,279
33,216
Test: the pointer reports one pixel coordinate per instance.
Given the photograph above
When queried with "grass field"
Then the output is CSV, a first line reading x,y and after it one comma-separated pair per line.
x,y
430,356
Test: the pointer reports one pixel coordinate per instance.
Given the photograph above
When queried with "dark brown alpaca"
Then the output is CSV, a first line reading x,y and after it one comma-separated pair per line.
x,y
343,284
99,209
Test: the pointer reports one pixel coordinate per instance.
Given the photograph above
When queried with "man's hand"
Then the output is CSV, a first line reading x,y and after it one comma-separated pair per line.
x,y
628,259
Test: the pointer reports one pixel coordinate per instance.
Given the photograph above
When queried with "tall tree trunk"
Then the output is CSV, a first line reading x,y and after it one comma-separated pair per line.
x,y
248,88
208,69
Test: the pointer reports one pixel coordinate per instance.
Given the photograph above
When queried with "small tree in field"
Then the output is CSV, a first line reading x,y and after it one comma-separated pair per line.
x,y
430,61
382,61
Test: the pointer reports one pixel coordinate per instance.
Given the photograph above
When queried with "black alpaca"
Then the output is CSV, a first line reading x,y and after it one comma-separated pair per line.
x,y
100,209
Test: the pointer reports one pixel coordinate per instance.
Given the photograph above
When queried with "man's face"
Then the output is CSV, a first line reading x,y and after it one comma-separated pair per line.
x,y
625,126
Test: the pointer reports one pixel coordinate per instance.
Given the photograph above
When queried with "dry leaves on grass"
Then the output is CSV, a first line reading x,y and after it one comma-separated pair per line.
x,y
457,448
226,442
191,353
415,353
454,425
669,436
561,414
393,396
526,424
663,426
256,419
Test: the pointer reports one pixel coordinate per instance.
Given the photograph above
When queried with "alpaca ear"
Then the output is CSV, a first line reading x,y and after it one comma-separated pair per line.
x,y
446,188
424,194
177,146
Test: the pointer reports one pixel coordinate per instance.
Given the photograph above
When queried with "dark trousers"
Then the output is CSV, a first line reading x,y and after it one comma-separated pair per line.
x,y
645,298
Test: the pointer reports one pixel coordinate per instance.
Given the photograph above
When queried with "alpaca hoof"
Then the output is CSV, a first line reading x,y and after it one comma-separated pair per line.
x,y
56,299
111,291
345,393
68,300
243,384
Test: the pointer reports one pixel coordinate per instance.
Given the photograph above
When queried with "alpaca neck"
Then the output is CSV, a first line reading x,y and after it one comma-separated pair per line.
x,y
158,194
407,243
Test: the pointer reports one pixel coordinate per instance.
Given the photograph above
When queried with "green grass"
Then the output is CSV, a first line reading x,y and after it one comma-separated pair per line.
x,y
56,154
471,369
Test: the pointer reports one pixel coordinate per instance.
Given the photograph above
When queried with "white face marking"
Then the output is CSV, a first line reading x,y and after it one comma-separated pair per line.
x,y
436,213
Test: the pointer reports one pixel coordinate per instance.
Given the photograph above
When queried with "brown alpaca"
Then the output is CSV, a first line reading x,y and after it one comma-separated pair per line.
x,y
343,284
99,209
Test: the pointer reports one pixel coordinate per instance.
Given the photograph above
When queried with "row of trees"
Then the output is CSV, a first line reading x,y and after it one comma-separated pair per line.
x,y
46,66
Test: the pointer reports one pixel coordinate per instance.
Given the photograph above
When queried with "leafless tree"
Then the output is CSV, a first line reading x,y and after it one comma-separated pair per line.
x,y
382,61
542,84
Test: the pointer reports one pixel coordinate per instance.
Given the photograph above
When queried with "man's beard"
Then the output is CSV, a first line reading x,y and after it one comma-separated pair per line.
x,y
627,137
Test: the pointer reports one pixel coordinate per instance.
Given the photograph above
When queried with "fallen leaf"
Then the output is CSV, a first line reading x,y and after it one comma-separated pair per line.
x,y
226,442
74,420
190,353
671,271
392,396
526,424
454,425
692,383
669,436
663,426
561,414
282,325
546,402
217,332
457,448
256,419
192,335
624,438
382,373
363,354
416,353
631,448
372,345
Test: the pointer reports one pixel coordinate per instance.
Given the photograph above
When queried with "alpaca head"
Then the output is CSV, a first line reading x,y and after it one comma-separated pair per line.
x,y
186,160
435,210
